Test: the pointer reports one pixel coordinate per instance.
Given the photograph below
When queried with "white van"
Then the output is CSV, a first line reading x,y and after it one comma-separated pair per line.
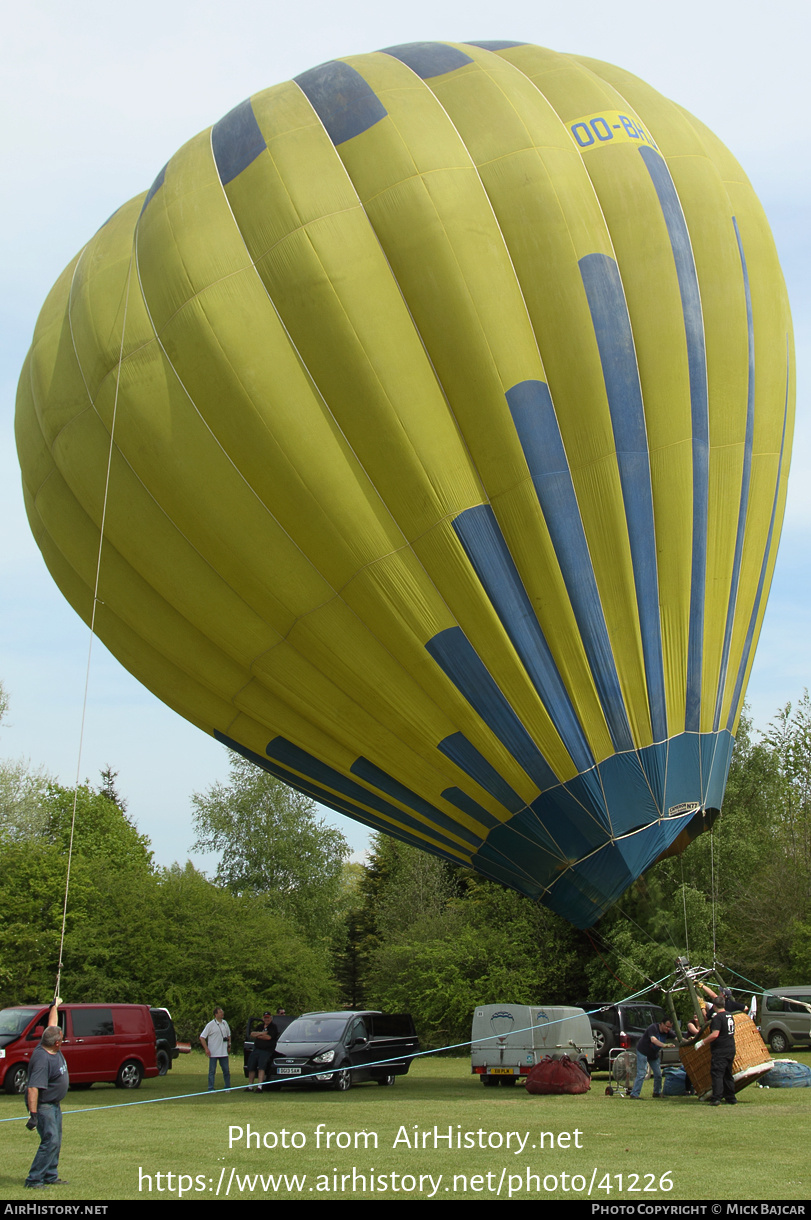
x,y
507,1040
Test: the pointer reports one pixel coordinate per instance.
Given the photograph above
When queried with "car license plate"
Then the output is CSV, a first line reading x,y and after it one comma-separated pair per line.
x,y
283,1071
501,1072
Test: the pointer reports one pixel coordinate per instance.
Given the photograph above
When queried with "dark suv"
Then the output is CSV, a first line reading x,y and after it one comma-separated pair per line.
x,y
620,1026
165,1039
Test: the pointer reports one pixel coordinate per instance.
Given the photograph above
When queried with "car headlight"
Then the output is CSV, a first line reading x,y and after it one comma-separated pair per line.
x,y
324,1057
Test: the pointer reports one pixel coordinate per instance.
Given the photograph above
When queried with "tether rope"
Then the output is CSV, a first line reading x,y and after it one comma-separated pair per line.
x,y
92,627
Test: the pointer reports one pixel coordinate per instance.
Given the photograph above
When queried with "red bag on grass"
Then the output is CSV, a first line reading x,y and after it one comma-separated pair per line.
x,y
562,1075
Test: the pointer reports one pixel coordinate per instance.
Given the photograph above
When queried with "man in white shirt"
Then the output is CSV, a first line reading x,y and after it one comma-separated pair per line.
x,y
216,1042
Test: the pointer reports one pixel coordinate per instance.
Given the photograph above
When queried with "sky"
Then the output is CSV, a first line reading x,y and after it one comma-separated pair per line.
x,y
98,97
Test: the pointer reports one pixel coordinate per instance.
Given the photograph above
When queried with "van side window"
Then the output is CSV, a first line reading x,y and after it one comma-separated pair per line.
x,y
92,1022
35,1036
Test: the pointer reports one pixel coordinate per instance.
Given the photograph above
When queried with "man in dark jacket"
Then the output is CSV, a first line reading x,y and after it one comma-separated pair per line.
x,y
47,1085
648,1049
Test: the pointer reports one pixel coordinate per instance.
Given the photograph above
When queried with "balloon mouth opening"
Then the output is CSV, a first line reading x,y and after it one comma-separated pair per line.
x,y
703,819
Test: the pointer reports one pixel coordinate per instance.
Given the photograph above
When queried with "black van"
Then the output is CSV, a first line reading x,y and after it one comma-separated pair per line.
x,y
338,1049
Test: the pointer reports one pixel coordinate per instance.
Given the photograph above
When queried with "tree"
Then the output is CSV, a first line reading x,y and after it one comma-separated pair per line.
x,y
101,829
439,940
271,842
23,794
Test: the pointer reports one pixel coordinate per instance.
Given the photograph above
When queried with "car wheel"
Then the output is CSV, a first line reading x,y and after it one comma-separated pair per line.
x,y
130,1075
387,1080
508,1082
16,1078
489,1082
778,1041
164,1062
603,1039
341,1080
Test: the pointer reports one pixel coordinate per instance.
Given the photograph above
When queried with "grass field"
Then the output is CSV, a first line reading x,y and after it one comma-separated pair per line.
x,y
605,1148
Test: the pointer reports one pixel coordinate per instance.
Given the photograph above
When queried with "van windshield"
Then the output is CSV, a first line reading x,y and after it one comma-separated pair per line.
x,y
314,1029
14,1020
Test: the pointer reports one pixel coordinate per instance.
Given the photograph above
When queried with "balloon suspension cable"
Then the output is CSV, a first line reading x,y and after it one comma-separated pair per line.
x,y
627,961
684,905
596,949
712,890
92,627
645,932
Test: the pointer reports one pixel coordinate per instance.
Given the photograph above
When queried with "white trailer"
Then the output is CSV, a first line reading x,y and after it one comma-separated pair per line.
x,y
507,1040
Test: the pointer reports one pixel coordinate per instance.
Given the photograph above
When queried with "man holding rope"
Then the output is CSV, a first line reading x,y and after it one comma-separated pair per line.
x,y
47,1085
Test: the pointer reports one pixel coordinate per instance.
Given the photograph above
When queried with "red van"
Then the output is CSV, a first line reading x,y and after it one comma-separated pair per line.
x,y
105,1042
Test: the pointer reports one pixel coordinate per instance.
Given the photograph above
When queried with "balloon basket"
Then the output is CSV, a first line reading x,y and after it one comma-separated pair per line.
x,y
752,1058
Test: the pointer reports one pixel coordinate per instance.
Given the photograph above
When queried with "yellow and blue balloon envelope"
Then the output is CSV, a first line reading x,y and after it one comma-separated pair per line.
x,y
453,394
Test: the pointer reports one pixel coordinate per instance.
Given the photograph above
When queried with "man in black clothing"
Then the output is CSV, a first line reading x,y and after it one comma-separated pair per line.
x,y
721,1039
264,1043
47,1085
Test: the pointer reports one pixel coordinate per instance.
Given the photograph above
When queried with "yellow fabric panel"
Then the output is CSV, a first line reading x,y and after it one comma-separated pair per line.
x,y
432,212
53,378
228,348
188,226
364,355
167,635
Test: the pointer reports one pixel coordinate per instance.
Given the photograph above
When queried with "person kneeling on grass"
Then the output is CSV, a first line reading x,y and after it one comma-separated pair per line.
x,y
648,1049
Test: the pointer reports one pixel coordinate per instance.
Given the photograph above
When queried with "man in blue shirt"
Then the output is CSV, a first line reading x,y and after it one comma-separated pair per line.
x,y
648,1049
47,1085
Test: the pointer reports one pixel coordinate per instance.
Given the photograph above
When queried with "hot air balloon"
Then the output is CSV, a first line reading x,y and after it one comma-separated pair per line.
x,y
447,393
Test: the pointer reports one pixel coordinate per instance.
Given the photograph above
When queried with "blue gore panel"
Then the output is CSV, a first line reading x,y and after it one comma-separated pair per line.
x,y
699,414
456,656
609,827
299,760
627,790
371,774
573,820
236,141
492,864
342,99
495,46
642,849
612,329
654,763
155,187
745,480
429,59
529,827
684,784
715,768
536,424
460,751
455,796
750,634
479,533
329,798
524,860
